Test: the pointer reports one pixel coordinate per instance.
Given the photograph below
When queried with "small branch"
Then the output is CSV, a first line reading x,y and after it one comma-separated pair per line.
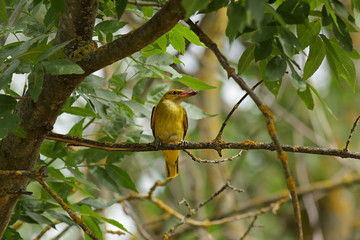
x,y
156,184
199,160
115,232
18,225
168,234
269,119
139,226
219,136
351,133
245,145
62,232
47,228
67,208
146,4
249,228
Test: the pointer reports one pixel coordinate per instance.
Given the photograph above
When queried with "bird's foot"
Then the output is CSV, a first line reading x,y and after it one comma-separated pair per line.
x,y
157,143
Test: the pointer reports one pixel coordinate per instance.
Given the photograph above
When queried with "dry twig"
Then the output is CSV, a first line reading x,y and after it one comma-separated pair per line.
x,y
269,118
351,133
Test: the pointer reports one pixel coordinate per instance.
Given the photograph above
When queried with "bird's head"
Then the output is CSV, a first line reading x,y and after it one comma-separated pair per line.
x,y
178,95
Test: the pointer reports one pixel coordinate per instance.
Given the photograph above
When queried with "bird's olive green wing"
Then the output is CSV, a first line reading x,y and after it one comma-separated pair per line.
x,y
185,121
153,120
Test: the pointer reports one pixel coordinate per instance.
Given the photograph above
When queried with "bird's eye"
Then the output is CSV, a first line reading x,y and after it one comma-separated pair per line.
x,y
174,92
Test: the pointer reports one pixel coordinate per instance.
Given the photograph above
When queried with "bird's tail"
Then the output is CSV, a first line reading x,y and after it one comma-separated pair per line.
x,y
172,162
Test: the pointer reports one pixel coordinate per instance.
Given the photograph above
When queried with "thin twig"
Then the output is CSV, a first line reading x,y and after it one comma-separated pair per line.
x,y
139,225
194,211
115,232
199,160
249,228
145,4
156,184
18,225
280,198
47,228
351,133
269,118
219,136
67,208
245,145
62,232
12,20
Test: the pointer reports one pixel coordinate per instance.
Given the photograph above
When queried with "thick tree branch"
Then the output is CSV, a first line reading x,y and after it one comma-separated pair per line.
x,y
134,41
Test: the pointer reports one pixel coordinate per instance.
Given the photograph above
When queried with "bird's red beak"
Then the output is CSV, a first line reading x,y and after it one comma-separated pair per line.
x,y
189,93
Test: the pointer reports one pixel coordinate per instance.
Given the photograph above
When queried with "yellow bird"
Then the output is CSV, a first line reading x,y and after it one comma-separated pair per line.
x,y
169,124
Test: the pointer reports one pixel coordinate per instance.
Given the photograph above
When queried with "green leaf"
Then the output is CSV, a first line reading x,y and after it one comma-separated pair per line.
x,y
307,98
80,111
194,83
62,67
7,103
160,59
188,34
32,54
246,58
94,227
297,81
289,43
321,100
177,41
5,78
214,5
53,149
109,26
50,51
293,11
77,129
275,69
342,35
12,234
263,33
40,219
8,123
120,177
156,93
341,10
237,20
263,50
307,32
20,132
315,58
191,6
98,202
36,79
257,9
356,11
138,90
194,112
84,209
120,6
104,178
340,62
3,14
273,86
345,65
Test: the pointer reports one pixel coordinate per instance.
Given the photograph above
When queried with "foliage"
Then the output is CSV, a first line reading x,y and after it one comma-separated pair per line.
x,y
276,35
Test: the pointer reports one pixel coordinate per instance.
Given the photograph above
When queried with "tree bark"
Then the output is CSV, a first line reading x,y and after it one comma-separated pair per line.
x,y
38,117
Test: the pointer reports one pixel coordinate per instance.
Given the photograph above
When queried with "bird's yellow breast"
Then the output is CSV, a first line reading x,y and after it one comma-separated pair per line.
x,y
169,122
